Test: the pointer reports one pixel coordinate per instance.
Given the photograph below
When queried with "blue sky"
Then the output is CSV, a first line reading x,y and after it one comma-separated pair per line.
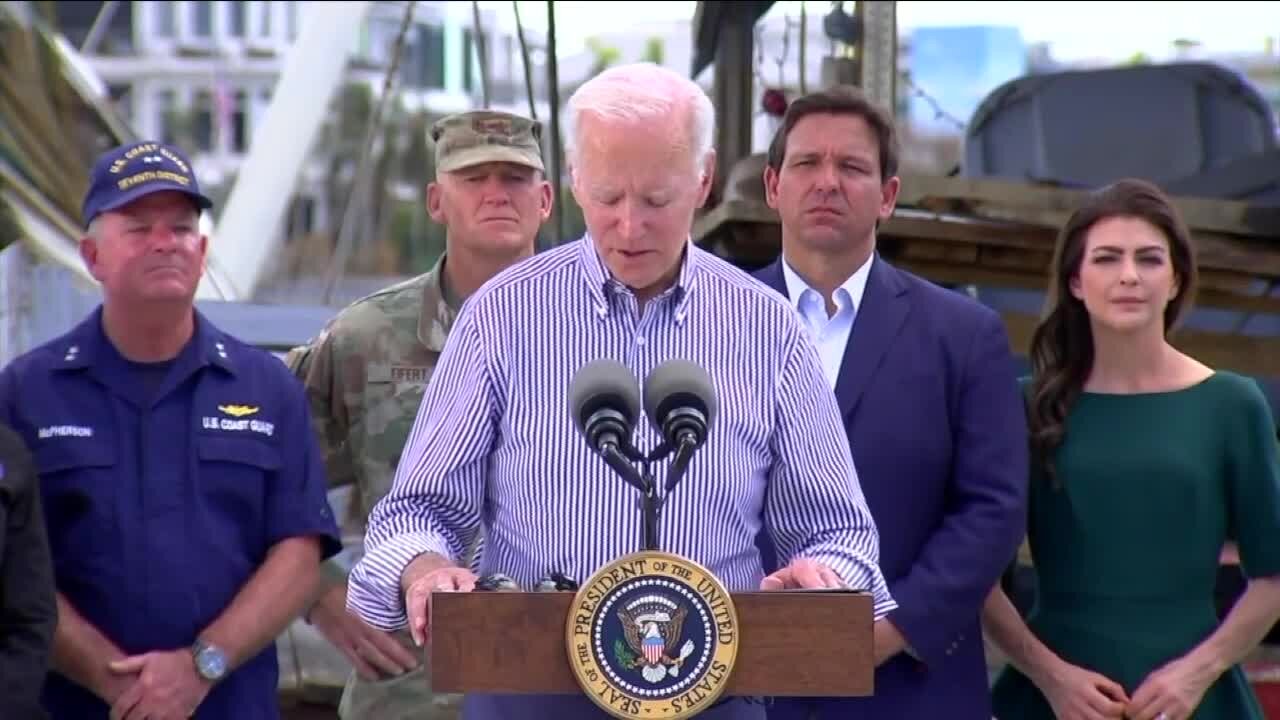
x,y
1081,30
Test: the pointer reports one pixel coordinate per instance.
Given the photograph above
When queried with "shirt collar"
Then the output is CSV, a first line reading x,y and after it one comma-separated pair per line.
x,y
84,346
853,287
437,313
600,280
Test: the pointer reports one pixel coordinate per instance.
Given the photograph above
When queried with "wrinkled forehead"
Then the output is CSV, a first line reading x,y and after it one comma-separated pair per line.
x,y
833,134
608,138
670,170
832,147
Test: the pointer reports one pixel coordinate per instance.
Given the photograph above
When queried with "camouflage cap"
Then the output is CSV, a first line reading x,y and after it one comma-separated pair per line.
x,y
483,136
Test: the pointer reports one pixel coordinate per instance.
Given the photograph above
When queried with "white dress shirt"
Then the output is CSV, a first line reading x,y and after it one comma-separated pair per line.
x,y
829,333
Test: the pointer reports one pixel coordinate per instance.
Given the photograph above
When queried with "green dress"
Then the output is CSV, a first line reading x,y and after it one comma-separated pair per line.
x,y
1126,551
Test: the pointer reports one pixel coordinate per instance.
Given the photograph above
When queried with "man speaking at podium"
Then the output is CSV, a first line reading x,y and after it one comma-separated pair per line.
x,y
495,445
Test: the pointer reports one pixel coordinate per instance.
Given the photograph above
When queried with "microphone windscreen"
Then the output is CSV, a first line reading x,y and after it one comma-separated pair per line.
x,y
603,383
678,383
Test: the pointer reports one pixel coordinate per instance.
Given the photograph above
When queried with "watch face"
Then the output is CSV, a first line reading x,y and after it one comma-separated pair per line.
x,y
211,663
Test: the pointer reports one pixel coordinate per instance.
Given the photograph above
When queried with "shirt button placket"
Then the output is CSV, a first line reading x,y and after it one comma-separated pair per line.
x,y
639,356
644,353
641,362
640,343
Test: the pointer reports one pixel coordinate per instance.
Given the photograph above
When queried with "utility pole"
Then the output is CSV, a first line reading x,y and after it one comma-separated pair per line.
x,y
553,93
879,50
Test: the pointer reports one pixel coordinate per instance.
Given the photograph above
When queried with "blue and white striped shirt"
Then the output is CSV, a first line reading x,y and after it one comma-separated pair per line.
x,y
494,441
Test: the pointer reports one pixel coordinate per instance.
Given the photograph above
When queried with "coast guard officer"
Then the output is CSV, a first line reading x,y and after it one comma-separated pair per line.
x,y
182,486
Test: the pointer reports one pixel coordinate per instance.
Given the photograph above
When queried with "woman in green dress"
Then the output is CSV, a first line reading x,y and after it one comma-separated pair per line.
x,y
1146,463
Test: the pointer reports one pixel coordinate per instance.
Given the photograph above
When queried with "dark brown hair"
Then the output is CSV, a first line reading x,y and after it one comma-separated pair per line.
x,y
1062,348
840,100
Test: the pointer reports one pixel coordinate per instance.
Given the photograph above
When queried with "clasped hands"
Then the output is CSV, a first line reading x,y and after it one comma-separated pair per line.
x,y
1171,692
160,685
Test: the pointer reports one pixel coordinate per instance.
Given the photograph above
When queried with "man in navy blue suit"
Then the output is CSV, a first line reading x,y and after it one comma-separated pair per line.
x,y
928,389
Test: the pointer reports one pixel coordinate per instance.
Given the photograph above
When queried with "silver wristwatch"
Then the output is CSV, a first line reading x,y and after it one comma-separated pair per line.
x,y
211,661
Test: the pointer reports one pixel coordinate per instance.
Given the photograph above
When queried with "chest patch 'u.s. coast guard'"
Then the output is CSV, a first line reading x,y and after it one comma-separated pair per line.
x,y
238,418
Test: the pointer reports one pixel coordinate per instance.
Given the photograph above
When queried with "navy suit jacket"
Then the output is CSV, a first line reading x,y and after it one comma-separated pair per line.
x,y
937,427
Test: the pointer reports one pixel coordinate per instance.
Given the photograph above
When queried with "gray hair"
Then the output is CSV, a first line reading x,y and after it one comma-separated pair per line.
x,y
94,228
642,92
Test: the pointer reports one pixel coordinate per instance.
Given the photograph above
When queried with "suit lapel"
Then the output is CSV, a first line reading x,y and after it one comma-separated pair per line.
x,y
772,276
880,315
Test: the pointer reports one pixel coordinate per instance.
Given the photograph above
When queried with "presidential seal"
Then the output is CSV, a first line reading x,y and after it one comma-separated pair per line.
x,y
652,635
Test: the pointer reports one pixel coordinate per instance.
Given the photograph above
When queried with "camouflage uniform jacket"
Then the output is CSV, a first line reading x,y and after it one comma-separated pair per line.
x,y
365,375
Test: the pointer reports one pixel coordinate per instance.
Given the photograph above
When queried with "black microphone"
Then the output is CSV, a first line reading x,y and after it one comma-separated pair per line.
x,y
605,402
680,401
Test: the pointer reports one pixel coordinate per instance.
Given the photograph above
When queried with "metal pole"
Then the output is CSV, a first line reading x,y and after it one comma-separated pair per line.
x,y
553,93
361,187
100,25
524,59
481,51
650,502
879,51
804,44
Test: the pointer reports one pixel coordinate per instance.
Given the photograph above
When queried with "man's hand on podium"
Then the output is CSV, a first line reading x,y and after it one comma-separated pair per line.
x,y
803,573
430,573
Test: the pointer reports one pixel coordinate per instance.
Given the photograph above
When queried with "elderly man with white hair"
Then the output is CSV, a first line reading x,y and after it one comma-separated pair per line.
x,y
494,449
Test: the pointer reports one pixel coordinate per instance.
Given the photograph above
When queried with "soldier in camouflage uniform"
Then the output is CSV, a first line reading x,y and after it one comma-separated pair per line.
x,y
365,374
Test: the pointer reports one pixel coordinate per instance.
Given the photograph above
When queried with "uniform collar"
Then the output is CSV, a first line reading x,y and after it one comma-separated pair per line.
x,y
600,281
436,316
87,345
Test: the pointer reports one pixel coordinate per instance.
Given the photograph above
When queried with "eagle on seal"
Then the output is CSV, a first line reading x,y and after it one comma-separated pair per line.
x,y
651,625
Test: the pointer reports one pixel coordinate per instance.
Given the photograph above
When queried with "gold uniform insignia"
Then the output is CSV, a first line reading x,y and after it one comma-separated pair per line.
x,y
238,410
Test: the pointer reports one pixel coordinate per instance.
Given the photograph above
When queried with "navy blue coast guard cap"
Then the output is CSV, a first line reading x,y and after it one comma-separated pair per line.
x,y
126,173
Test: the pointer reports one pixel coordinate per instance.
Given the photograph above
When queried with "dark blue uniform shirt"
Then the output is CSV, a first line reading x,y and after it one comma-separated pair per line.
x,y
164,488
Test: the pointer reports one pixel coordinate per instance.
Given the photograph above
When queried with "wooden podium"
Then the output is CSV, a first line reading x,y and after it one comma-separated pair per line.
x,y
794,642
